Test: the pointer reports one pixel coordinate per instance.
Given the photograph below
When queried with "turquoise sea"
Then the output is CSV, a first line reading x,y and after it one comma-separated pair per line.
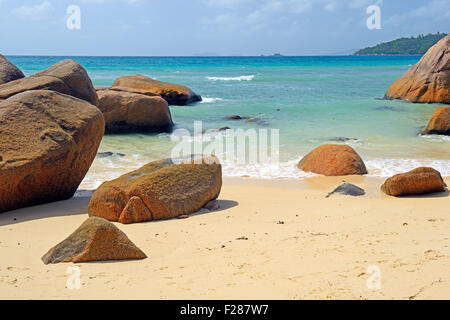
x,y
311,100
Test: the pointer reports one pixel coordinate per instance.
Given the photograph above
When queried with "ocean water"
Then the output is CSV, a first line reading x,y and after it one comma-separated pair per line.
x,y
311,100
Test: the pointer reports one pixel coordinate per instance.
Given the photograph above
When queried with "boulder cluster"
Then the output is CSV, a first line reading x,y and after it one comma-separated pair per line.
x,y
51,126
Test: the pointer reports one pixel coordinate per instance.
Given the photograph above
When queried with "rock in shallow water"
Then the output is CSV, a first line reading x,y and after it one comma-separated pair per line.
x,y
95,240
48,141
419,181
333,160
127,112
348,189
439,122
159,190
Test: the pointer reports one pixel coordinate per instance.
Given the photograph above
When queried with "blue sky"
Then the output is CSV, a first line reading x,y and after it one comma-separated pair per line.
x,y
223,27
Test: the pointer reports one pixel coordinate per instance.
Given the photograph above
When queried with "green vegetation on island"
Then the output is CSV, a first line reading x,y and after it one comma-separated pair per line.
x,y
412,45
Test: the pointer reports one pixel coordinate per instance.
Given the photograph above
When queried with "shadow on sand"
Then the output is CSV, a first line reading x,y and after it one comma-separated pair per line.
x,y
73,206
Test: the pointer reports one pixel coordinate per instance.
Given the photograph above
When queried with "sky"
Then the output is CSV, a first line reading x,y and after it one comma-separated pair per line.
x,y
211,27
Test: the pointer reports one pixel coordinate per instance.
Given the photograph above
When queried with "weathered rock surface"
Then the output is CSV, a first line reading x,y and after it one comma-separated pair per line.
x,y
439,122
8,71
333,160
127,112
48,141
419,181
428,80
174,94
66,76
348,189
159,190
95,240
131,90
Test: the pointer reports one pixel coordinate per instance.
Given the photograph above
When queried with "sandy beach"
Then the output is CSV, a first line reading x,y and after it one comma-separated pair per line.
x,y
271,239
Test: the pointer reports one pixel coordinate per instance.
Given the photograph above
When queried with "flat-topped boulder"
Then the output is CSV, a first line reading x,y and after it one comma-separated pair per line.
x,y
66,76
333,160
159,190
8,71
419,181
174,94
96,239
48,141
127,112
439,122
428,80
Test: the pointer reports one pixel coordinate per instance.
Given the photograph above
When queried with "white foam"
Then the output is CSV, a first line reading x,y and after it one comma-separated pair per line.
x,y
389,167
210,100
109,168
240,78
435,137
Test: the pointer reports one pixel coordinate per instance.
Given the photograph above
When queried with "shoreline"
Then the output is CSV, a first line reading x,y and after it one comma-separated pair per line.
x,y
299,245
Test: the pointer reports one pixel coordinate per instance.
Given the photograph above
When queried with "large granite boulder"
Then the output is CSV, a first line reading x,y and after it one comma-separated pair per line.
x,y
333,160
428,80
439,122
8,71
48,141
127,112
174,94
66,76
419,181
96,239
159,190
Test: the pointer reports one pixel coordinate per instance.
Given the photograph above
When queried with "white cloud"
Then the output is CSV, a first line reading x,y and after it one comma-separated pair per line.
x,y
434,10
34,12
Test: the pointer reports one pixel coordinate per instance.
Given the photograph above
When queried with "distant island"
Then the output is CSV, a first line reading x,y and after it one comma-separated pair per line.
x,y
273,55
413,45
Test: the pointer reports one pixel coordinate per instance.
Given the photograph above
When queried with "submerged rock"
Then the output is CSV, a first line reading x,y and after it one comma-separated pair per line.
x,y
439,122
8,71
159,190
128,112
428,80
95,240
348,189
174,94
109,154
48,141
333,160
66,76
419,181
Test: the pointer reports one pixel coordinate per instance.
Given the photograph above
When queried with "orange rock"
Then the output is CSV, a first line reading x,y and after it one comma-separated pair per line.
x,y
127,112
159,190
428,80
135,211
439,122
95,240
48,141
173,93
66,76
333,160
415,182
